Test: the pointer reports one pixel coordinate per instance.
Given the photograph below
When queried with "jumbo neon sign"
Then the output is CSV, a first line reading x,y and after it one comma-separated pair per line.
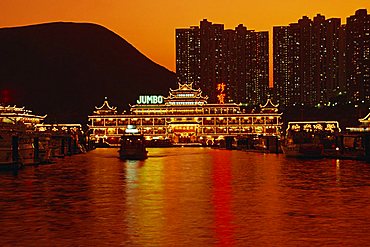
x,y
149,99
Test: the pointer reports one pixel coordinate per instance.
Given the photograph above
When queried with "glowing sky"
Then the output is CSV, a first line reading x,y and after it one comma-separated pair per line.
x,y
150,25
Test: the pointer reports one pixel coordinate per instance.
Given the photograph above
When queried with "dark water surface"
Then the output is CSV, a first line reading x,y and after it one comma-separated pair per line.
x,y
187,197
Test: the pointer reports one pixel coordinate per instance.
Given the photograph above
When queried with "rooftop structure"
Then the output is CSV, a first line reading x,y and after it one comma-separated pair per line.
x,y
184,116
15,115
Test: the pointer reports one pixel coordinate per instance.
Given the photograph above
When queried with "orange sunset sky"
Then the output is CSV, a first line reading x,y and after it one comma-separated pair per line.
x,y
150,25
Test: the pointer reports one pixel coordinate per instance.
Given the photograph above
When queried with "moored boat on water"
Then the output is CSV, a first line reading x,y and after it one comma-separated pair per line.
x,y
303,150
16,146
8,159
44,150
132,145
18,142
159,143
26,150
25,140
305,139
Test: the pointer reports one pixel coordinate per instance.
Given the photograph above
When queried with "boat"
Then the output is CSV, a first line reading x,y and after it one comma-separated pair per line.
x,y
16,146
183,118
17,137
26,150
162,143
44,149
303,150
305,139
8,158
132,145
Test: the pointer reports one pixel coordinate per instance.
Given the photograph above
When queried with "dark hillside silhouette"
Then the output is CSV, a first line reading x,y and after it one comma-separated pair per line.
x,y
65,69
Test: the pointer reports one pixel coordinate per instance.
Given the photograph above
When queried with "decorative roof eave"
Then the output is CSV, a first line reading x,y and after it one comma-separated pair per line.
x,y
269,104
187,86
186,98
365,119
35,116
269,114
15,111
147,106
169,97
23,115
59,125
107,116
106,104
224,105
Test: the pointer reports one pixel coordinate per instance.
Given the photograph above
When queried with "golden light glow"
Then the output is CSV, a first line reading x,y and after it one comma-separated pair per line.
x,y
184,126
221,93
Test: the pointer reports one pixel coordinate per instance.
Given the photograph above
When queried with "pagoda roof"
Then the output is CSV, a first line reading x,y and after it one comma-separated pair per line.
x,y
13,109
18,111
173,96
106,106
184,87
269,107
365,119
269,104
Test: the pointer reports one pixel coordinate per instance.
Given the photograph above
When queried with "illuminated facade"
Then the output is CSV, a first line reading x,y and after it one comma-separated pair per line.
x,y
315,61
60,128
15,115
358,56
308,61
188,55
184,117
209,55
313,127
364,125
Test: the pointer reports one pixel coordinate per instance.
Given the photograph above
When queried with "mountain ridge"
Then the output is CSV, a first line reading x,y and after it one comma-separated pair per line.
x,y
64,69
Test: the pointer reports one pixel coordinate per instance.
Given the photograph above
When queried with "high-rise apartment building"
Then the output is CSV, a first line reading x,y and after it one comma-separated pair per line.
x,y
258,70
283,87
209,55
188,55
212,69
358,56
334,55
307,61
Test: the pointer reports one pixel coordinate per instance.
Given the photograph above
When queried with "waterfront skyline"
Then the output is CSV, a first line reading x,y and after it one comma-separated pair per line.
x,y
320,61
139,22
210,56
314,60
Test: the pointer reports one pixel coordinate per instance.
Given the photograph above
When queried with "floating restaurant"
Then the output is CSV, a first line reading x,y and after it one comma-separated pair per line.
x,y
14,115
184,117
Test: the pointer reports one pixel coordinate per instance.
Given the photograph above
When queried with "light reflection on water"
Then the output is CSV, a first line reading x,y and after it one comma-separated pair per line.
x,y
183,196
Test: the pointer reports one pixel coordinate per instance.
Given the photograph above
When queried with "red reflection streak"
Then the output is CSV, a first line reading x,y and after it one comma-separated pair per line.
x,y
222,199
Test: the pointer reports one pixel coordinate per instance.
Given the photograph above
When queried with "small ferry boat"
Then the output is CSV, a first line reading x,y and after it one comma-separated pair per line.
x,y
305,139
132,145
